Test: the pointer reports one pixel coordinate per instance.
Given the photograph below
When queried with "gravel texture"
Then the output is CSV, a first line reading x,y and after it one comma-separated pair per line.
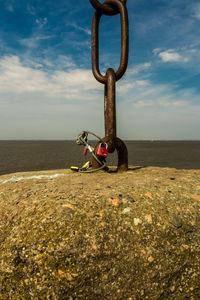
x,y
132,235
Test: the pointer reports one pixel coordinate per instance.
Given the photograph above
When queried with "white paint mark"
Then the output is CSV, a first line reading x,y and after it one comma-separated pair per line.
x,y
16,179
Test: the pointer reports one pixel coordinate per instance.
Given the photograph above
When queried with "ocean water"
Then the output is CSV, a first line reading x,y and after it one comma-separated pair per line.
x,y
20,156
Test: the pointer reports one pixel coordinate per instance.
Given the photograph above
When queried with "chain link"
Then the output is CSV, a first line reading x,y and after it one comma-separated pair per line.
x,y
105,8
124,41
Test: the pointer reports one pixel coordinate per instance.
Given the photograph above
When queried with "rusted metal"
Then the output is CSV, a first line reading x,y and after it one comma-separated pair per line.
x,y
120,146
109,104
105,8
124,42
122,155
111,7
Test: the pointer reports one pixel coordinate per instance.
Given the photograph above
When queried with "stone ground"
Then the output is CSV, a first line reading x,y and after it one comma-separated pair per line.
x,y
134,235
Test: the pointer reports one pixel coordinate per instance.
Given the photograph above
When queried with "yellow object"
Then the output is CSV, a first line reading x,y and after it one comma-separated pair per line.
x,y
86,165
74,168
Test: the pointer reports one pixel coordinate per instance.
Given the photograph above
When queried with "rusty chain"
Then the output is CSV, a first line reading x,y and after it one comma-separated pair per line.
x,y
124,41
105,8
111,7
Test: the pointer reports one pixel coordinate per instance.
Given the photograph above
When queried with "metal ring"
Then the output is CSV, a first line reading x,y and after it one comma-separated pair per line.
x,y
105,8
124,43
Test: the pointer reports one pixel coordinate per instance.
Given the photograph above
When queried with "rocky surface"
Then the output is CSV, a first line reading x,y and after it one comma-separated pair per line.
x,y
134,235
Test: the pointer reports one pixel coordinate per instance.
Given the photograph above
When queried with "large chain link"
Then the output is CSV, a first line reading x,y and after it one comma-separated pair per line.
x,y
105,8
112,4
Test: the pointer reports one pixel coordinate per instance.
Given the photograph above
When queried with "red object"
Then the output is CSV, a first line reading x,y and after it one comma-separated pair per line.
x,y
102,150
85,151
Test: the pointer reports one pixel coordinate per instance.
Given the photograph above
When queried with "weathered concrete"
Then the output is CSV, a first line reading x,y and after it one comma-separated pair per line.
x,y
134,235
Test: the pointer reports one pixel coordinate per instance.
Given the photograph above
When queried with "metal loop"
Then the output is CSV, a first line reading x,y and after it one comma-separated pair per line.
x,y
109,104
124,42
106,8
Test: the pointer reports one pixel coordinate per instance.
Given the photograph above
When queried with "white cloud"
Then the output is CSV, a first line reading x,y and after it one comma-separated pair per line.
x,y
171,56
65,61
138,68
126,86
41,22
17,78
157,50
142,82
158,111
31,9
47,62
186,57
81,44
47,104
138,92
34,41
83,29
196,11
40,103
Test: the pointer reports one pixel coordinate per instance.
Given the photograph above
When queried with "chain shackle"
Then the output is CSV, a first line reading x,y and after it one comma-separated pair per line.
x,y
105,8
124,42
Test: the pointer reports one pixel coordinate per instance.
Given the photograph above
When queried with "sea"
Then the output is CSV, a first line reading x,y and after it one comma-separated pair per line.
x,y
22,156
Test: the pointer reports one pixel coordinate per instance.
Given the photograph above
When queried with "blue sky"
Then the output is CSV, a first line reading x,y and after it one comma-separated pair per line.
x,y
47,90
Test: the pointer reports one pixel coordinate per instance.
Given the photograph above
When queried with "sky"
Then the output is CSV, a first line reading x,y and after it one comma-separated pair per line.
x,y
47,89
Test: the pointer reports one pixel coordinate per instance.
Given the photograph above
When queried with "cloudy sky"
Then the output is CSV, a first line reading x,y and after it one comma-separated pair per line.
x,y
47,90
